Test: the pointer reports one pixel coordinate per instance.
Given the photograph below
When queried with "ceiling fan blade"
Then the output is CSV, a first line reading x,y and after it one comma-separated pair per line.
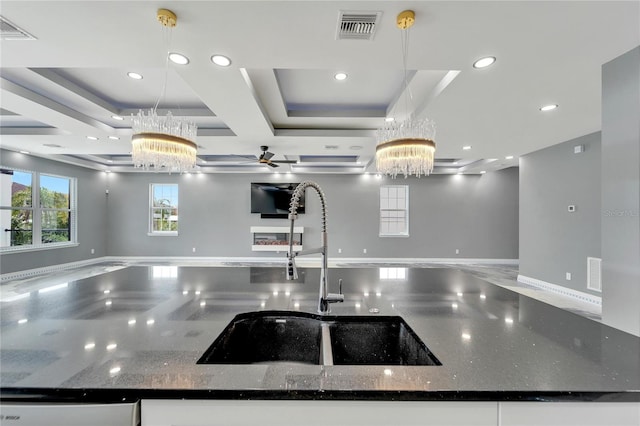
x,y
272,164
267,155
285,161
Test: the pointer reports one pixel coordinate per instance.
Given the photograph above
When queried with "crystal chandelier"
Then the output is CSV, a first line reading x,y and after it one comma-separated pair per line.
x,y
163,143
406,147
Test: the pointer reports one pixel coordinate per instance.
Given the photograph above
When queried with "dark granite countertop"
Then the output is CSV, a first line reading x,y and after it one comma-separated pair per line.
x,y
137,333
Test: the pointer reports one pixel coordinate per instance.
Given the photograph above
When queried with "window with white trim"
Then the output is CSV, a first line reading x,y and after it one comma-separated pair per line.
x,y
35,219
394,211
163,202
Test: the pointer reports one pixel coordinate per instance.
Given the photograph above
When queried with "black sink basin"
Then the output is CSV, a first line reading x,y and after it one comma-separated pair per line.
x,y
285,336
267,336
377,341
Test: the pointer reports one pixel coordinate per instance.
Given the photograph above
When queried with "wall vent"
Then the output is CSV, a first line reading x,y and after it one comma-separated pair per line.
x,y
9,31
594,273
357,25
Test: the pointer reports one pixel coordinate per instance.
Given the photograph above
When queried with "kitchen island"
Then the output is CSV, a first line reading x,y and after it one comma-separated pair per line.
x,y
136,333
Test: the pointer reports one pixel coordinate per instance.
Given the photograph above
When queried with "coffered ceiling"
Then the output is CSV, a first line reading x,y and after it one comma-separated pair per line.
x,y
67,81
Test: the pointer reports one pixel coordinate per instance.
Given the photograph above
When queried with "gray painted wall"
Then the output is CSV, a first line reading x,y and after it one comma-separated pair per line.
x,y
554,241
92,215
621,192
476,214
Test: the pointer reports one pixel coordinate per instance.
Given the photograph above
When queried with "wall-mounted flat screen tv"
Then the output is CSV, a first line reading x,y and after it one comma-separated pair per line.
x,y
272,200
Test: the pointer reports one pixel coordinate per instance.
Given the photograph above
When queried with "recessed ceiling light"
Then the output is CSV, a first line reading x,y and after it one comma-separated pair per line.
x,y
109,161
25,152
466,148
483,172
340,76
549,107
117,117
508,157
52,145
484,62
92,138
135,75
114,138
221,60
389,119
179,59
355,147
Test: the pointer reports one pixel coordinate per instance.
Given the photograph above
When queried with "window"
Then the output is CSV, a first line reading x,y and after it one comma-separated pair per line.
x,y
164,209
394,211
34,219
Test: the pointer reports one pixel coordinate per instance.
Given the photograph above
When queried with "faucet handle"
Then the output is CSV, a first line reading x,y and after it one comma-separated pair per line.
x,y
340,286
292,271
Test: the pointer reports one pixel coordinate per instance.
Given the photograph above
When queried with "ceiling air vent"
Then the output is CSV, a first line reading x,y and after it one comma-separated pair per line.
x,y
357,25
9,31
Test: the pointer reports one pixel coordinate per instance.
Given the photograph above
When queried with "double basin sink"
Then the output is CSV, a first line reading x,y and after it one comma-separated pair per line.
x,y
300,337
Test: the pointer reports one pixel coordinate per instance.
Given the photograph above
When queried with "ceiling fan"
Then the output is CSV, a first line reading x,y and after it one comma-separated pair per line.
x,y
265,158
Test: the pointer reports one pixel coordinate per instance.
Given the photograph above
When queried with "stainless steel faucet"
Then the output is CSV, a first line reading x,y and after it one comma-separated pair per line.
x,y
325,298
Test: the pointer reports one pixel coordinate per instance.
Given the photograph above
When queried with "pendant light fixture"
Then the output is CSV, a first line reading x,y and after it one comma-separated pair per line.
x,y
163,143
406,147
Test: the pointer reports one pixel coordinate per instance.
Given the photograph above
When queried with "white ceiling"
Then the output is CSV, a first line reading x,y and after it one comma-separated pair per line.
x,y
279,91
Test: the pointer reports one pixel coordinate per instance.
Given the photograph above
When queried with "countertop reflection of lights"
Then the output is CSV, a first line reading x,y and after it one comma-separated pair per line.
x,y
466,336
185,292
389,119
483,296
151,321
508,320
134,75
287,293
483,172
89,346
114,370
548,107
275,293
357,305
112,346
203,303
23,321
53,288
296,305
263,304
388,372
107,291
108,303
454,305
366,294
131,322
509,157
459,294
197,292
466,148
92,138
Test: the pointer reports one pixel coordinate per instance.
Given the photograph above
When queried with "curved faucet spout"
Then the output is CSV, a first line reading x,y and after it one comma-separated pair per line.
x,y
325,298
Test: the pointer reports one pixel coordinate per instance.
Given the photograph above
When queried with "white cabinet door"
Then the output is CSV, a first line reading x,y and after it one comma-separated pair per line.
x,y
569,414
317,413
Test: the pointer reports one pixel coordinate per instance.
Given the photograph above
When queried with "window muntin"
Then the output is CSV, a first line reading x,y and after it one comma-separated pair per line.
x,y
52,222
163,219
394,211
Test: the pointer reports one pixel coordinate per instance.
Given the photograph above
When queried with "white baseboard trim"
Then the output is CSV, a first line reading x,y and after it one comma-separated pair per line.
x,y
206,261
554,288
27,273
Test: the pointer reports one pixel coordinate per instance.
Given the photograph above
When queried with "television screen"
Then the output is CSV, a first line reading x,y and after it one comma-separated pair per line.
x,y
273,199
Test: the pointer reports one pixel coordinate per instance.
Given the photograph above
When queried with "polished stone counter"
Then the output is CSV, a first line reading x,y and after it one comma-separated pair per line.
x,y
138,331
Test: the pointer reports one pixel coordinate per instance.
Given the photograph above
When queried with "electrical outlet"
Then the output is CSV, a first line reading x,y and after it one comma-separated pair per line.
x,y
364,251
193,249
93,251
568,276
457,251
339,250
